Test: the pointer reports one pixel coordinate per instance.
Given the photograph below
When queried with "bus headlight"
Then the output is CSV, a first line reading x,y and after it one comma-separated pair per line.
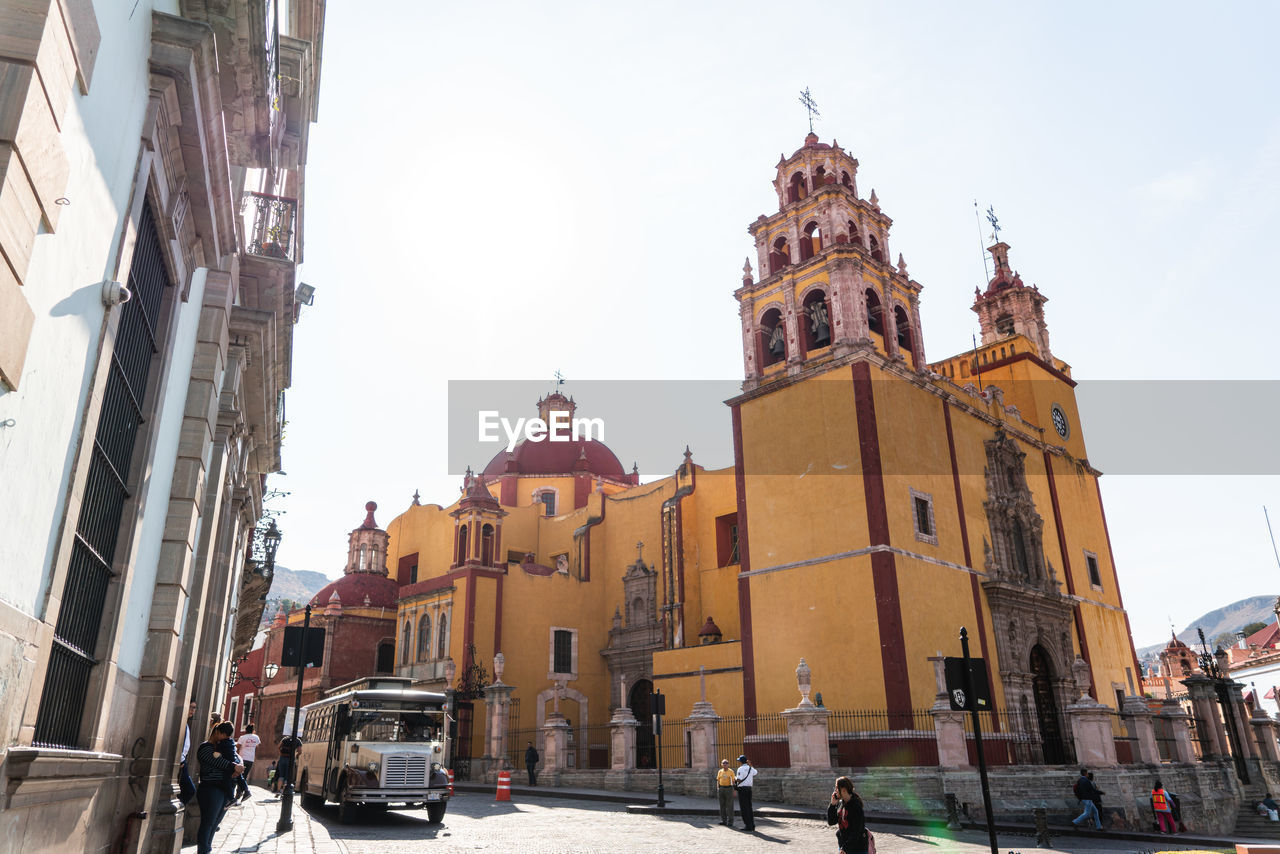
x,y
373,767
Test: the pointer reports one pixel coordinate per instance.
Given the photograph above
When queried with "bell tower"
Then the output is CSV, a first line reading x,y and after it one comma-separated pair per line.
x,y
477,525
1008,307
826,285
367,546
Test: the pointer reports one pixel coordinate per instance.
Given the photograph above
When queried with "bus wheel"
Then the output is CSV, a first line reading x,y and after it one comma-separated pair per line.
x,y
435,812
348,812
309,800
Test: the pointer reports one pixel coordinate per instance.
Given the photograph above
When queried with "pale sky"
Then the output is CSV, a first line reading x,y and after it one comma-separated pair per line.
x,y
503,190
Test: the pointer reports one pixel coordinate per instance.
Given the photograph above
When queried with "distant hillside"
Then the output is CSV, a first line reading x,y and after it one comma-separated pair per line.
x,y
293,587
1227,619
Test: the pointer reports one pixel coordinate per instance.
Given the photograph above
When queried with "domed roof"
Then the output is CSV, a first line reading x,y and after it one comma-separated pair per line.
x,y
810,141
353,588
545,457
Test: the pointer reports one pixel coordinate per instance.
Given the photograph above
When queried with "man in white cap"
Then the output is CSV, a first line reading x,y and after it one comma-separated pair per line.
x,y
743,780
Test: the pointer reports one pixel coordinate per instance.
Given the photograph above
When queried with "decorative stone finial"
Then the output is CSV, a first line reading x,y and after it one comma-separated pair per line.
x,y
747,277
416,502
804,678
875,202
902,265
1080,670
368,519
450,670
688,455
499,665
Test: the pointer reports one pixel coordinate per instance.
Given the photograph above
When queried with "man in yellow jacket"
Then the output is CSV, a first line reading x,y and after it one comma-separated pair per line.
x,y
724,791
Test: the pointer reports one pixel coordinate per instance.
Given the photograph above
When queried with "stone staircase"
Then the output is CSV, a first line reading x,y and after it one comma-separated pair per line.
x,y
1252,825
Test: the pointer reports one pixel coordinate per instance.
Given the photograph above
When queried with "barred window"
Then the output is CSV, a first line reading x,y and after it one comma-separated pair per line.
x,y
563,652
73,652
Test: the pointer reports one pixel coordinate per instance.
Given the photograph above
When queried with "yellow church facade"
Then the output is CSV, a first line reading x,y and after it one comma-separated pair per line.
x,y
877,503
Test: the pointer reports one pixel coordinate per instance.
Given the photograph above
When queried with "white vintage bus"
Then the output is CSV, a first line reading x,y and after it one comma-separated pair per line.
x,y
375,747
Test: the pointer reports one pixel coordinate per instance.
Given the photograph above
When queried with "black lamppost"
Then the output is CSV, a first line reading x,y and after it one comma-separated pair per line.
x,y
286,801
270,545
235,677
1214,665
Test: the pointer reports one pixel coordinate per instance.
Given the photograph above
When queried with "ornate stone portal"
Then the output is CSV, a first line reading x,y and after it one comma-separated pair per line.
x,y
1030,616
633,640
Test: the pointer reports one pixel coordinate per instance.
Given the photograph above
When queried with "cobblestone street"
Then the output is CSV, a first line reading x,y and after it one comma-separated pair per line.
x,y
475,822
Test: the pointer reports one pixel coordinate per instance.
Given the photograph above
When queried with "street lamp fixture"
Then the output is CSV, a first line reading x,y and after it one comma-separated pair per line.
x,y
270,545
271,670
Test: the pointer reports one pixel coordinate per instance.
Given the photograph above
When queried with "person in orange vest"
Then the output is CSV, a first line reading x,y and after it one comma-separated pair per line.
x,y
1163,808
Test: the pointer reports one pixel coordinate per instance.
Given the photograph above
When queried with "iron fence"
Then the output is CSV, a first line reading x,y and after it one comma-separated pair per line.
x,y
867,738
589,746
1200,744
1165,741
1126,740
1016,737
761,738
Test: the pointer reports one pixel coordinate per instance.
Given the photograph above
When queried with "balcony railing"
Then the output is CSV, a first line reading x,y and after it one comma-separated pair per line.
x,y
271,222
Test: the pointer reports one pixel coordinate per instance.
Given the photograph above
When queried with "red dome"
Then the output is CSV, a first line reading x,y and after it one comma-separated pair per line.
x,y
545,457
352,589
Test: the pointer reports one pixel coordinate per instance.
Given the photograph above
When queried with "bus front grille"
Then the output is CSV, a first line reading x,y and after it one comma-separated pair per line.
x,y
405,770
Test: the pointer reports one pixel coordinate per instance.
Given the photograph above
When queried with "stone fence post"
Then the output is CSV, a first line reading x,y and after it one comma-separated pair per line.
x,y
808,739
555,742
1213,735
1090,724
1264,731
1137,716
948,724
622,743
1179,724
701,726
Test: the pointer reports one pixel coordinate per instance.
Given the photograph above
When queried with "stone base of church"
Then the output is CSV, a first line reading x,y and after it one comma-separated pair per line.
x,y
1210,793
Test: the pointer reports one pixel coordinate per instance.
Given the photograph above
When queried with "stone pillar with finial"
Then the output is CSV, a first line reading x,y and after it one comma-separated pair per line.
x,y
1090,723
622,747
555,732
807,733
1179,723
948,724
701,727
497,699
1137,718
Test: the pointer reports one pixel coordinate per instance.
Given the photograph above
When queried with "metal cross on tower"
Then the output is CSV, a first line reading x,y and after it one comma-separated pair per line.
x,y
810,105
559,378
995,223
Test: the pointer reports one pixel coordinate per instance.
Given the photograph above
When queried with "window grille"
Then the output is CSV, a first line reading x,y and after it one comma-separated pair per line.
x,y
1095,577
563,661
106,492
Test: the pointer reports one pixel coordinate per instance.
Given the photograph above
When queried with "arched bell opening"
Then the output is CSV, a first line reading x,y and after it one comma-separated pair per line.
x,y
779,255
854,237
773,338
796,190
875,314
903,325
816,328
820,177
460,557
486,545
811,243
874,246
846,180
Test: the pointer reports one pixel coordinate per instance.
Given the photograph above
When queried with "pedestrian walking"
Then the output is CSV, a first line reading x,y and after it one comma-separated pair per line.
x,y
724,791
247,747
186,786
1097,798
1085,793
1162,806
845,812
531,758
744,780
284,765
217,787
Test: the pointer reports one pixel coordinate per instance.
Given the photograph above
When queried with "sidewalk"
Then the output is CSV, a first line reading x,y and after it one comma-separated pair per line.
x,y
251,828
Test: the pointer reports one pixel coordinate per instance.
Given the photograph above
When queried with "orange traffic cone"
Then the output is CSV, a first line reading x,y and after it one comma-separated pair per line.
x,y
450,773
504,786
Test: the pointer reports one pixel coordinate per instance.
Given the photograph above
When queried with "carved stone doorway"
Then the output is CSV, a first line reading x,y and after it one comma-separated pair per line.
x,y
1046,707
638,701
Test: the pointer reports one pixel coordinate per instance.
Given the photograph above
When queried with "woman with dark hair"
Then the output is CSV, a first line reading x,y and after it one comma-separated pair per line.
x,y
845,812
217,783
1162,806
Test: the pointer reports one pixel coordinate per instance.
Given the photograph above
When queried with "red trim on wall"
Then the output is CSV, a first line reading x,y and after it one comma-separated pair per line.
x,y
1115,578
968,559
1066,571
507,491
581,489
744,584
1025,357
469,619
497,617
884,572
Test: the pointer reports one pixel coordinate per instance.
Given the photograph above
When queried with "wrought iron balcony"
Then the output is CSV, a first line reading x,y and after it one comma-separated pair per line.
x,y
271,222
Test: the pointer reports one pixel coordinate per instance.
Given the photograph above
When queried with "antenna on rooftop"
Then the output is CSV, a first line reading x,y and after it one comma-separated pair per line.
x,y
810,105
1272,534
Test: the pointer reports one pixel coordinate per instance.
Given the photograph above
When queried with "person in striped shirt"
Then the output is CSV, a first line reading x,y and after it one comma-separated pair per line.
x,y
217,783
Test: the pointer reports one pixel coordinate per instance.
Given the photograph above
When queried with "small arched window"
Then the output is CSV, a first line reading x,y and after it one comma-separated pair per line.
x,y
811,243
816,321
462,544
442,645
486,545
773,338
874,321
853,233
780,255
796,192
904,328
424,637
406,642
875,248
361,565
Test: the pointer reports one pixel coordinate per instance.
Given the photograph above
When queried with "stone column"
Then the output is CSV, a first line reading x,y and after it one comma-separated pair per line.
x,y
1138,719
1091,731
701,726
808,740
1239,712
622,746
948,724
1213,736
555,743
497,698
1179,725
1264,733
